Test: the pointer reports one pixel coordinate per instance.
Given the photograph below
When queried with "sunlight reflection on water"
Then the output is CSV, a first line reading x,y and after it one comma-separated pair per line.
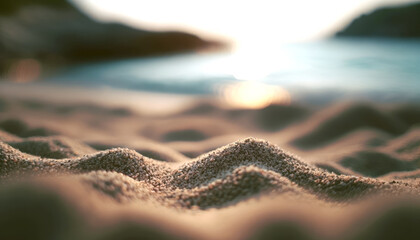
x,y
254,95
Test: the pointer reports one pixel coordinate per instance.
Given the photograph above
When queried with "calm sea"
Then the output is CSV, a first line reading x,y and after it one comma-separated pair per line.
x,y
323,71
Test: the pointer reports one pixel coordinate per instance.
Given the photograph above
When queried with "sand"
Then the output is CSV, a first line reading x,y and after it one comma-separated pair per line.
x,y
85,171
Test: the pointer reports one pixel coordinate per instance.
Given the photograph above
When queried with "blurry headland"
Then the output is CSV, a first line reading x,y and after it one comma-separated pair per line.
x,y
56,32
394,22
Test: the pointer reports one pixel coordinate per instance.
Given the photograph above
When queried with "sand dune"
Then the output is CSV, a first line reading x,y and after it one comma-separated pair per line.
x,y
149,149
374,164
250,161
57,147
187,176
348,119
19,128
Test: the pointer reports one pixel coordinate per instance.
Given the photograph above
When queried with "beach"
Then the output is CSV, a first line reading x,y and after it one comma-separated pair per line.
x,y
89,170
218,120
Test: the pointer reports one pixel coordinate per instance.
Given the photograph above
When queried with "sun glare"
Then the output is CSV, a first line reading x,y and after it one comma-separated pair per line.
x,y
254,95
248,65
254,62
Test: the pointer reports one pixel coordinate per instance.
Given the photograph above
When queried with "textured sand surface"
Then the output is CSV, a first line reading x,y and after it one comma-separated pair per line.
x,y
347,171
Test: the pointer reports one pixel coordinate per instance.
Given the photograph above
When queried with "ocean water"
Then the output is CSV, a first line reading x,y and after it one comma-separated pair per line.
x,y
322,71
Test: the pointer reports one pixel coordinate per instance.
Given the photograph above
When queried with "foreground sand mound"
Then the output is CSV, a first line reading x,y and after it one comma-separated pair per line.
x,y
148,149
115,182
78,207
230,173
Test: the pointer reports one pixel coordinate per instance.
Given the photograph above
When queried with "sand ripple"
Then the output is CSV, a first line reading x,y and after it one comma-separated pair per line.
x,y
229,174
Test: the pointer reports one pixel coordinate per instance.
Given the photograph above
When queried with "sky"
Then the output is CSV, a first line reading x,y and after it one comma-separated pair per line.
x,y
241,22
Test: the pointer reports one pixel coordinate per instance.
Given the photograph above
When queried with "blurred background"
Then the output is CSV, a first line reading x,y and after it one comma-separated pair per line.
x,y
246,54
335,82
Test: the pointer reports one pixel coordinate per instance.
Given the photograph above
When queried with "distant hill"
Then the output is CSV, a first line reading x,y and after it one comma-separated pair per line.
x,y
8,7
395,22
52,30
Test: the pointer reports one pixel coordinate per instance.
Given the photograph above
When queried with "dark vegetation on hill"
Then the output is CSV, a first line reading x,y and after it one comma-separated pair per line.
x,y
395,22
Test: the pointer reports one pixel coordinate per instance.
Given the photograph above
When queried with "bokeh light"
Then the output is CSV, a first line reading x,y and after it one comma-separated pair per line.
x,y
254,95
